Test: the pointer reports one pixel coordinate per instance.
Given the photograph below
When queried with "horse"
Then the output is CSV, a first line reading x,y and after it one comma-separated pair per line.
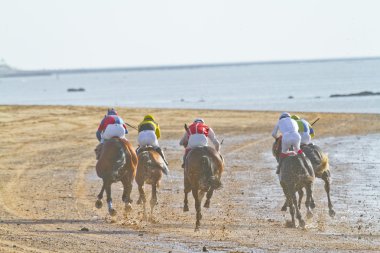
x,y
202,173
117,162
320,163
149,170
294,175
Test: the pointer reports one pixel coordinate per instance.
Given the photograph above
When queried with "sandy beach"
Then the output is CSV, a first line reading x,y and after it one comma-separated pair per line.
x,y
48,186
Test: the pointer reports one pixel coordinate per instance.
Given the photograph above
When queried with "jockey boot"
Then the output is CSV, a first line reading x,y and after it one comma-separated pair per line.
x,y
183,161
279,165
137,150
159,150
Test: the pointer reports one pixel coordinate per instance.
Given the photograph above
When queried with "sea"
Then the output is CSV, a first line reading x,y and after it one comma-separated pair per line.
x,y
268,86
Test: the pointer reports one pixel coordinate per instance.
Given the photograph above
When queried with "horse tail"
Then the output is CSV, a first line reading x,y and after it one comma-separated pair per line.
x,y
207,168
324,166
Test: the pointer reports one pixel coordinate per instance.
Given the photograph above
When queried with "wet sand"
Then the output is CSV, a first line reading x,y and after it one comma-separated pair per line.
x,y
48,186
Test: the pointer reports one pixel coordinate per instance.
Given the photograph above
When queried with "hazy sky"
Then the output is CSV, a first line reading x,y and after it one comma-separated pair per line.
x,y
42,34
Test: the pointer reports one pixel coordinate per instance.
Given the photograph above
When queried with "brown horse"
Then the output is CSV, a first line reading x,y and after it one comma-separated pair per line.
x,y
294,176
203,170
117,162
320,164
149,170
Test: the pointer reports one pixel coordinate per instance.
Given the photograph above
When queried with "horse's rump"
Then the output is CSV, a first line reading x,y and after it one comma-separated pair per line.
x,y
150,165
318,159
117,157
294,171
131,160
204,167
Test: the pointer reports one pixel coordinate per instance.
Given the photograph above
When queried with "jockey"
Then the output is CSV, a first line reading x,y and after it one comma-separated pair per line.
x,y
196,136
111,126
289,129
304,129
290,136
149,133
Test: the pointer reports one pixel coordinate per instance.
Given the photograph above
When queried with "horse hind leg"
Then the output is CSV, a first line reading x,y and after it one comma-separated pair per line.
x,y
142,199
99,203
107,186
127,185
198,209
309,195
186,191
208,198
301,222
153,200
326,178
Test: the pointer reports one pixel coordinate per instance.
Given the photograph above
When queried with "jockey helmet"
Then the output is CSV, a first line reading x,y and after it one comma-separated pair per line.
x,y
111,111
199,120
295,117
148,117
284,115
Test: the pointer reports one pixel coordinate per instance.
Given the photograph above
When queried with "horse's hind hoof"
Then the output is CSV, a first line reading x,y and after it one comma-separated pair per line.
x,y
207,204
331,213
284,208
302,223
186,208
98,204
309,215
312,205
128,207
112,212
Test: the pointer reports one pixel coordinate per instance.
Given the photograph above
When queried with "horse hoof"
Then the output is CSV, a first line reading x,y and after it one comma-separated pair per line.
x,y
112,212
98,204
309,215
139,202
207,204
186,208
284,208
302,223
196,229
128,207
312,205
332,213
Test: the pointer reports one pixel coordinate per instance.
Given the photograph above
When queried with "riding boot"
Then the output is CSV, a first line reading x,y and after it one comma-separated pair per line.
x,y
137,150
159,150
279,165
183,161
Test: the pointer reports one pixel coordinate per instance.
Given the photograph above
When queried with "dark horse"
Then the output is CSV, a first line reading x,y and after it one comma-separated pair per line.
x,y
149,170
117,162
203,170
320,164
294,176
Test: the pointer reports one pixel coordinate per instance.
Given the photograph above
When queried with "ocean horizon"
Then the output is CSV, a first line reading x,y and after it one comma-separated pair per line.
x,y
269,86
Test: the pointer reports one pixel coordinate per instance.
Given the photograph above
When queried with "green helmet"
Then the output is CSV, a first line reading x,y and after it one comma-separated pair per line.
x,y
295,117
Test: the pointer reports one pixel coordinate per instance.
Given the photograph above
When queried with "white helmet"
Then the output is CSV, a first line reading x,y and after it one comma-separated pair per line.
x,y
199,120
284,115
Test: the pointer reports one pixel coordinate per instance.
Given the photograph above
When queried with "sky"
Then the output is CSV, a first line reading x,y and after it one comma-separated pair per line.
x,y
66,34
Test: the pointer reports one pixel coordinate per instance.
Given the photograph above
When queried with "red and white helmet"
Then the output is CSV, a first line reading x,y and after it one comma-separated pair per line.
x,y
199,120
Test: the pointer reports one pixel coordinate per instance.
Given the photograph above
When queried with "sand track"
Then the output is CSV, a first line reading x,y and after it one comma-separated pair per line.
x,y
48,187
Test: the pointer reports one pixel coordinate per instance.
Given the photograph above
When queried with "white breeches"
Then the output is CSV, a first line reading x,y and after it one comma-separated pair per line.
x,y
305,138
113,130
290,139
147,138
196,140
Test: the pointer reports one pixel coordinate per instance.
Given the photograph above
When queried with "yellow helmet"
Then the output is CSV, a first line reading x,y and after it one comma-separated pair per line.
x,y
148,117
295,117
